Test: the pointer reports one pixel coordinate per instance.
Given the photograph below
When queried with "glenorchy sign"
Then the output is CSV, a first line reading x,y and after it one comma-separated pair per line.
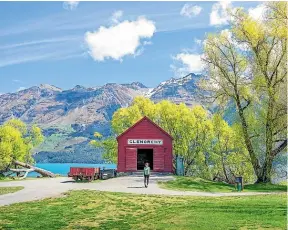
x,y
145,142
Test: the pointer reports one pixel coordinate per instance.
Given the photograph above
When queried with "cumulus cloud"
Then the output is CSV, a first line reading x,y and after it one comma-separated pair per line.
x,y
119,40
258,12
116,16
70,5
219,14
192,61
190,10
187,63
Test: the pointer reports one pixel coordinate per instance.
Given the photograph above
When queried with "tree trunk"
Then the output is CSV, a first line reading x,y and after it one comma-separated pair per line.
x,y
248,143
267,166
18,171
43,172
265,176
224,169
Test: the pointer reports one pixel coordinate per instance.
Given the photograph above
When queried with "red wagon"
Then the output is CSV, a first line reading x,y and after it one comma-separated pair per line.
x,y
78,173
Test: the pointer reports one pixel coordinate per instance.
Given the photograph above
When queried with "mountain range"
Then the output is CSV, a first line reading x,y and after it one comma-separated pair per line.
x,y
69,118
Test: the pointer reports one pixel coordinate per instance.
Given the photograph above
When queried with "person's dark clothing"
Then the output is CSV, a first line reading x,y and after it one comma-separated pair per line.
x,y
146,175
146,180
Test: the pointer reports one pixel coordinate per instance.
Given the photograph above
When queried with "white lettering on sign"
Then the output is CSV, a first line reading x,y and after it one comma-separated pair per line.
x,y
144,142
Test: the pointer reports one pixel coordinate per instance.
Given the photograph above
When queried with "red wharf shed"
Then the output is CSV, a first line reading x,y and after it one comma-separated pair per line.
x,y
145,142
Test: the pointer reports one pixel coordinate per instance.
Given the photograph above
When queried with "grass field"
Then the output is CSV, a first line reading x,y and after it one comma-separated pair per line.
x,y
5,190
201,185
104,210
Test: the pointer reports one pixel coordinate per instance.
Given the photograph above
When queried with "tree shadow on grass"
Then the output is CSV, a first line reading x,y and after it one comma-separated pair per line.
x,y
198,184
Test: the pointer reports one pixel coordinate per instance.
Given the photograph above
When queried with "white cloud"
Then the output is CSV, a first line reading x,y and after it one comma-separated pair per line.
x,y
197,41
192,61
258,12
116,16
147,43
187,63
219,14
70,5
190,10
120,40
229,35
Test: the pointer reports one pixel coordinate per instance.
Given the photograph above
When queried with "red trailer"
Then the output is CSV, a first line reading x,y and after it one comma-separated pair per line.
x,y
78,173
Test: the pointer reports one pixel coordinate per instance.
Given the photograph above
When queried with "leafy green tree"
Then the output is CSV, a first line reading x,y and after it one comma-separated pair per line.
x,y
247,65
190,128
16,142
229,156
175,119
209,147
108,146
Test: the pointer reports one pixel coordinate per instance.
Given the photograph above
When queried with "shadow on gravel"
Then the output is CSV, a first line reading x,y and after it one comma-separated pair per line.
x,y
152,175
69,181
137,187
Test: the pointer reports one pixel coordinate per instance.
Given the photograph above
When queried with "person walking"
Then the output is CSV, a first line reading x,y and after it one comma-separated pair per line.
x,y
146,174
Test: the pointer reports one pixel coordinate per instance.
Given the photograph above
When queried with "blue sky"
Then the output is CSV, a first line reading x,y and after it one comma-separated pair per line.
x,y
93,43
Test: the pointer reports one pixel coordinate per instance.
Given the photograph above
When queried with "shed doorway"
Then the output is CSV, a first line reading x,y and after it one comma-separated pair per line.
x,y
143,156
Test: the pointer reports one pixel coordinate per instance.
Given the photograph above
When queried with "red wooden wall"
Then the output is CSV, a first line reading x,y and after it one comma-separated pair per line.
x,y
145,129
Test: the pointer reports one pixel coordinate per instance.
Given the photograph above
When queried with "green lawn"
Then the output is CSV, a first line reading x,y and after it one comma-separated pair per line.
x,y
265,188
201,185
105,210
5,190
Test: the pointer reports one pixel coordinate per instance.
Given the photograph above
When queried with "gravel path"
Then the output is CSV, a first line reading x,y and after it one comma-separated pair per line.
x,y
52,187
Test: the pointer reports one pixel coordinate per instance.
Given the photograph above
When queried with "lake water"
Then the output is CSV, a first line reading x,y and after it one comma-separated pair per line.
x,y
63,168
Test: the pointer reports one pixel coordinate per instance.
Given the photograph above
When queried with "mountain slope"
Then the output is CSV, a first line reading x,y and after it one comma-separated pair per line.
x,y
178,90
70,117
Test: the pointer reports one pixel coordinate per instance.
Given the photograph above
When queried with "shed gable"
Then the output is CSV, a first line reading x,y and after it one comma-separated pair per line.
x,y
145,126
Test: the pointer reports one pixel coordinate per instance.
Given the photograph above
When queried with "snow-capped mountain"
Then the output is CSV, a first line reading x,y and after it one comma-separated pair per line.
x,y
178,90
70,117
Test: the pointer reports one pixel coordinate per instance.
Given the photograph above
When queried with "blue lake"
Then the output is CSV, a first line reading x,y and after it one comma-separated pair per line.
x,y
63,168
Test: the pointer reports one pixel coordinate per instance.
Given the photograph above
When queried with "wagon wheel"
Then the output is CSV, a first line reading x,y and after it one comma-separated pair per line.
x,y
90,178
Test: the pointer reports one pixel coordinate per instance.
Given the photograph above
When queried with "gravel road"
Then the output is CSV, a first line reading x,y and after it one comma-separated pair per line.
x,y
53,187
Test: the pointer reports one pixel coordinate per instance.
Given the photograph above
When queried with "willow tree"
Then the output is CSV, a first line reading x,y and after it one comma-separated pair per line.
x,y
247,66
16,143
191,128
198,138
108,146
229,156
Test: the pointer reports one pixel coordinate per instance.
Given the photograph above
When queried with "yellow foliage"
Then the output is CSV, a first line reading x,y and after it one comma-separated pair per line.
x,y
16,141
